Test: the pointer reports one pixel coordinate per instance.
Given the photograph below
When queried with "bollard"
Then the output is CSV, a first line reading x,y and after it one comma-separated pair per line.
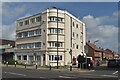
x,y
15,64
36,65
70,68
50,67
25,64
89,66
4,62
7,64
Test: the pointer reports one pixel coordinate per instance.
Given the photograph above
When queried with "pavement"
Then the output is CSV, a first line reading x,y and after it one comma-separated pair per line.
x,y
47,68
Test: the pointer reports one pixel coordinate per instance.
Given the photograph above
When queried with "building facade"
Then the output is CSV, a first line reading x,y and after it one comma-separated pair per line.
x,y
6,49
49,36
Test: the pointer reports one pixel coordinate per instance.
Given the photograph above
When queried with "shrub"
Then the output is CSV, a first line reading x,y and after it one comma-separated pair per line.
x,y
12,62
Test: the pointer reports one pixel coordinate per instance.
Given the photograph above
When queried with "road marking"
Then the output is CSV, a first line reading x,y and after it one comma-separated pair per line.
x,y
102,75
15,73
65,77
42,77
115,72
109,76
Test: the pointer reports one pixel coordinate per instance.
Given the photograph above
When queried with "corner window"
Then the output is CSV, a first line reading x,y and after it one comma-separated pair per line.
x,y
55,57
20,23
26,22
54,44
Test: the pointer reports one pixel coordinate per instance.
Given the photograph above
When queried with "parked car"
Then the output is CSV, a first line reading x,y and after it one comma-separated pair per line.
x,y
113,63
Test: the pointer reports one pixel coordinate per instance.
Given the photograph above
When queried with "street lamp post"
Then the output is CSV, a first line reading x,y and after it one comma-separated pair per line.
x,y
57,40
94,47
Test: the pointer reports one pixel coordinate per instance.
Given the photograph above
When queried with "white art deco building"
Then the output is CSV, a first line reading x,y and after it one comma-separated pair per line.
x,y
48,37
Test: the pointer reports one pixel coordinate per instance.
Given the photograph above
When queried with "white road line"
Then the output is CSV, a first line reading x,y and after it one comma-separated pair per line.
x,y
115,72
65,77
15,73
42,77
109,76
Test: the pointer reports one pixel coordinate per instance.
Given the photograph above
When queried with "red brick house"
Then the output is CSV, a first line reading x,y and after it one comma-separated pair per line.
x,y
108,54
98,53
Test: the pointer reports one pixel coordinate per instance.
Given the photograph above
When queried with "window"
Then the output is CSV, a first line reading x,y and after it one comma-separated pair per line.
x,y
52,57
54,30
25,34
38,57
73,34
73,24
55,57
18,46
49,57
19,35
31,33
43,57
32,20
25,57
54,18
77,35
20,23
76,46
30,45
54,44
38,19
18,57
23,46
60,57
38,31
76,25
31,57
26,22
38,44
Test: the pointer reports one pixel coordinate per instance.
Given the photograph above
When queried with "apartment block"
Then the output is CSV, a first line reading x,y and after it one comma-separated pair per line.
x,y
48,37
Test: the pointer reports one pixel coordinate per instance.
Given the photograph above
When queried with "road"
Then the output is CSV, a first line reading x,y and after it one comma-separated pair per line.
x,y
100,73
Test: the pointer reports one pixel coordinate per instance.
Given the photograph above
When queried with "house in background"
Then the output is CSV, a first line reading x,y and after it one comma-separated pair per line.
x,y
7,49
99,53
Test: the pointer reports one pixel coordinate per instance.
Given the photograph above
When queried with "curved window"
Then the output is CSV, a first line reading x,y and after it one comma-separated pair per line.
x,y
54,18
54,44
55,57
54,31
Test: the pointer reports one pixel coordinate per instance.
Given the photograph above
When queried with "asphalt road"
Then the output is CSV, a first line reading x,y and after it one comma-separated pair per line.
x,y
100,73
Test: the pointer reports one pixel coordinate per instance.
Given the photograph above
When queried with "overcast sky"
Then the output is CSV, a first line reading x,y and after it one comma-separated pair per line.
x,y
100,18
